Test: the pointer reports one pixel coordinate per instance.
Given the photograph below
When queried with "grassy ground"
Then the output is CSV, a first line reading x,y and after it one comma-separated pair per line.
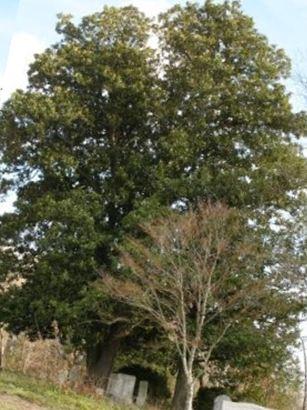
x,y
21,392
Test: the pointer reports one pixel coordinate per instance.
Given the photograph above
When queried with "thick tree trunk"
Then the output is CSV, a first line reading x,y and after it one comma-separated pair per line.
x,y
179,392
100,360
184,392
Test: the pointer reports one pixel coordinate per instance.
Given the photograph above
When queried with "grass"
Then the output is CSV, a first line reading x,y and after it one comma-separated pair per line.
x,y
50,396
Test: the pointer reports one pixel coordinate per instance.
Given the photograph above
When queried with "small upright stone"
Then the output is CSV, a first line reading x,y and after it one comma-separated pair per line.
x,y
121,387
142,393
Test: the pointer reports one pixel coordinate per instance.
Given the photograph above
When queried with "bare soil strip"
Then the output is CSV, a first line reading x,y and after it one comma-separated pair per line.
x,y
8,402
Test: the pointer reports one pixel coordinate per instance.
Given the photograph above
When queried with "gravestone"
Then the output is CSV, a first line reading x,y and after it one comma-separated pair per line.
x,y
142,393
121,387
225,403
243,406
219,402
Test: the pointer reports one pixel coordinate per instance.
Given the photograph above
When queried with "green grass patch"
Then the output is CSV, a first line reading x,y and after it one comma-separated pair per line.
x,y
50,396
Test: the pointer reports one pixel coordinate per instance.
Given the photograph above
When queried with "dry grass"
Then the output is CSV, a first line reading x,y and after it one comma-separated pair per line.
x,y
19,392
43,359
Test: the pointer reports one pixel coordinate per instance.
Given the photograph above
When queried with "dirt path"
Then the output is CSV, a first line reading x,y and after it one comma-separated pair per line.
x,y
8,402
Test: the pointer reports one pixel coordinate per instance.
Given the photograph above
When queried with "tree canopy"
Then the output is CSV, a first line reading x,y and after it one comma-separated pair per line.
x,y
112,131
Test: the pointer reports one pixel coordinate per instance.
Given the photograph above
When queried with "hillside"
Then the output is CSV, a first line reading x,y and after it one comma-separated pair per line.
x,y
18,392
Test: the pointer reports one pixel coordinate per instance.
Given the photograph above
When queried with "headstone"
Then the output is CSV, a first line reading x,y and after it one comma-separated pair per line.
x,y
242,406
219,402
142,393
224,403
121,387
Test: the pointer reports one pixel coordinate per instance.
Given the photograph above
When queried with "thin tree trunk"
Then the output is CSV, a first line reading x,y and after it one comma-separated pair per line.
x,y
189,394
100,360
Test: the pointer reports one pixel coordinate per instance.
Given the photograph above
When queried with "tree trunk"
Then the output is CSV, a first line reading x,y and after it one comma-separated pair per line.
x,y
1,350
100,360
184,391
189,394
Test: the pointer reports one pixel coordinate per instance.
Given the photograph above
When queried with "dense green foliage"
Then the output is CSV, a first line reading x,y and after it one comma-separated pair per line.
x,y
112,131
78,143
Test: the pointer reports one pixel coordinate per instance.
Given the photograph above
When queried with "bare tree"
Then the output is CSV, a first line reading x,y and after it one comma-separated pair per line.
x,y
189,272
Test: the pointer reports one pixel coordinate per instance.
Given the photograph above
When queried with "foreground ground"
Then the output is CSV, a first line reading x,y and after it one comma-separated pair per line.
x,y
18,392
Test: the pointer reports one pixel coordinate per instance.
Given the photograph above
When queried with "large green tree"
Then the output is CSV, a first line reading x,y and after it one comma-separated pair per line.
x,y
111,131
79,148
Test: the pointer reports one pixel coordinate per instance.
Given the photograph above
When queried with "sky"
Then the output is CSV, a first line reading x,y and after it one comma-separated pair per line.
x,y
27,27
8,11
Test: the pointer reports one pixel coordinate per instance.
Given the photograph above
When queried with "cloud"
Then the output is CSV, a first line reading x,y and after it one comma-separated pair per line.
x,y
22,50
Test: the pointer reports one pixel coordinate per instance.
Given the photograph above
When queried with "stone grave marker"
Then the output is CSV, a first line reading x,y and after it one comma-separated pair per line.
x,y
224,403
121,387
142,393
219,402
